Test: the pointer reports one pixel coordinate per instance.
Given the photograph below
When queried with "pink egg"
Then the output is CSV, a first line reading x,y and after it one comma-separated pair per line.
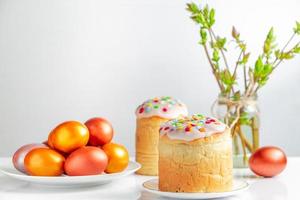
x,y
19,155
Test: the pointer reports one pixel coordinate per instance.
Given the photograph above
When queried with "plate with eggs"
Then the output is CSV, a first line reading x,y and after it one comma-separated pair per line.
x,y
75,154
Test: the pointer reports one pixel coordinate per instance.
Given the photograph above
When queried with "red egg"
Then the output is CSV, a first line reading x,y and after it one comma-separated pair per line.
x,y
101,131
86,161
268,161
19,155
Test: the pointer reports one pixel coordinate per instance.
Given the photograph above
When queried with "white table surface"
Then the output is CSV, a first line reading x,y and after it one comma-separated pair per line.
x,y
285,186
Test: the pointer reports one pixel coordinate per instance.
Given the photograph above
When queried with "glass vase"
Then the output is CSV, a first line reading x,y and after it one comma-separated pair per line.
x,y
242,116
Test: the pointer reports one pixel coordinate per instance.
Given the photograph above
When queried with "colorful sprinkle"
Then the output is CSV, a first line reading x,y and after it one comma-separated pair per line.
x,y
147,109
202,129
141,110
187,129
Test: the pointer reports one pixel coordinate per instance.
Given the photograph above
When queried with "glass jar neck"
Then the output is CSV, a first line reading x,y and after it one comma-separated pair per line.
x,y
223,97
242,101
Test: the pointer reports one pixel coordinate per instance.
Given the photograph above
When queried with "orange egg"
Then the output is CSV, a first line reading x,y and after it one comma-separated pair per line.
x,y
118,157
19,155
68,136
44,162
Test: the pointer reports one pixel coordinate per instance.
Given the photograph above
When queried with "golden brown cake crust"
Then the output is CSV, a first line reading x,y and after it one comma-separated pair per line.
x,y
201,165
147,136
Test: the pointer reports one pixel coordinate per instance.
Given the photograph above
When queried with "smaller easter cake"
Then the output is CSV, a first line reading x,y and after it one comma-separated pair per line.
x,y
150,115
195,155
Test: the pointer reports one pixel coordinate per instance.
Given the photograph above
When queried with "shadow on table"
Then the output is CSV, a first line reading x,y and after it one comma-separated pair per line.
x,y
269,188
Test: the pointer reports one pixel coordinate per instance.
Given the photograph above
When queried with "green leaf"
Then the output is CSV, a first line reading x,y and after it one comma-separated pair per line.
x,y
258,67
226,78
269,44
296,49
211,17
267,69
206,11
278,54
297,28
242,46
192,7
203,34
199,19
220,43
235,34
263,81
245,58
287,55
215,56
270,35
236,96
245,119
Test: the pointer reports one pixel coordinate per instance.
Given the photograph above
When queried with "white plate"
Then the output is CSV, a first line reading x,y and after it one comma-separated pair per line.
x,y
8,169
238,187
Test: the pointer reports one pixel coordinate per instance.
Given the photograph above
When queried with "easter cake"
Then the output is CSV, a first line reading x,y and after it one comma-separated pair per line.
x,y
150,115
195,155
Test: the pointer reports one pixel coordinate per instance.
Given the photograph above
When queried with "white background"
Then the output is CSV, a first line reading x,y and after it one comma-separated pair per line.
x,y
75,59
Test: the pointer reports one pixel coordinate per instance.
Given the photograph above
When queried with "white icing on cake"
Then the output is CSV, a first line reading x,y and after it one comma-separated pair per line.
x,y
192,127
165,107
